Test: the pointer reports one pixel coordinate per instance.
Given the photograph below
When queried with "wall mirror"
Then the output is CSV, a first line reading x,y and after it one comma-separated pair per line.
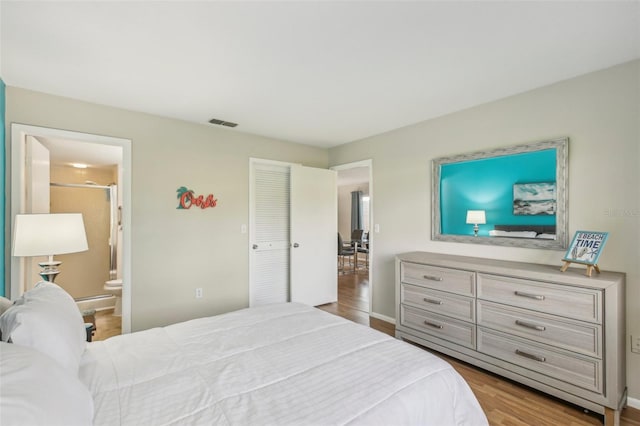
x,y
514,196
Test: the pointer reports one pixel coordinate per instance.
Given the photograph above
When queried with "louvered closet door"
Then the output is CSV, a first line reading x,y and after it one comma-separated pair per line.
x,y
270,234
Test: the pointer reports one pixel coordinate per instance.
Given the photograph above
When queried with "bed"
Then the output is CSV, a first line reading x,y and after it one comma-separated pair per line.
x,y
281,364
545,232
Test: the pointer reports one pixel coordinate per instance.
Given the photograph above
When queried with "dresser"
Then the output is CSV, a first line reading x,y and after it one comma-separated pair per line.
x,y
562,333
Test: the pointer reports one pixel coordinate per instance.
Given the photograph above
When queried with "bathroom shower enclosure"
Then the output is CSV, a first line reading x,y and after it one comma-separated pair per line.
x,y
100,210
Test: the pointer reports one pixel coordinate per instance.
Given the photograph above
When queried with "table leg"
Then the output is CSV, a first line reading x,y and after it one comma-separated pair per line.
x,y
355,256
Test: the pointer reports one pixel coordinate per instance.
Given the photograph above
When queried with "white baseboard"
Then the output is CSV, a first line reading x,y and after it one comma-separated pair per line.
x,y
383,317
98,304
633,403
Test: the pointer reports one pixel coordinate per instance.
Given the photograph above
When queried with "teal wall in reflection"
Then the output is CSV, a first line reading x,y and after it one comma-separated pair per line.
x,y
487,184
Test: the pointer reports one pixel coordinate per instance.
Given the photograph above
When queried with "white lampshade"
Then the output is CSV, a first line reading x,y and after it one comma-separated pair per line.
x,y
476,217
48,234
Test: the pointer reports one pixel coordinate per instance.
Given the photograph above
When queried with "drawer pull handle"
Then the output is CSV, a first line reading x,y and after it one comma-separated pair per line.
x,y
529,295
529,325
433,324
530,356
434,301
432,278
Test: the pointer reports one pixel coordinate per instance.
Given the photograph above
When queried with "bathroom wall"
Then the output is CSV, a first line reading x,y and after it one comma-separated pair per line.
x,y
90,268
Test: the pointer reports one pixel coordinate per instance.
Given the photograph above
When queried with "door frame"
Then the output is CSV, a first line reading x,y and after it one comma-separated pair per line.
x,y
18,185
366,163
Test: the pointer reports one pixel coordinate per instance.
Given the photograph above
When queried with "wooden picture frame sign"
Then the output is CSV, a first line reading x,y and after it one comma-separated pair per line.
x,y
585,249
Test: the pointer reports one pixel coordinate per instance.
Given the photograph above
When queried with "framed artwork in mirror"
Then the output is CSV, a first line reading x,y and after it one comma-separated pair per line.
x,y
530,199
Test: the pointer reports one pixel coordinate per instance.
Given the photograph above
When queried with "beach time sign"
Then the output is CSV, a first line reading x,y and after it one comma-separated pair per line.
x,y
585,248
187,198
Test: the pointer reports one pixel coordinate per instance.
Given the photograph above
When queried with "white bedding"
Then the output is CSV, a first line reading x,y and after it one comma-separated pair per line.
x,y
512,234
285,364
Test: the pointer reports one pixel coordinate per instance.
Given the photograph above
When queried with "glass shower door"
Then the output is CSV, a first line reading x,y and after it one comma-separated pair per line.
x,y
83,274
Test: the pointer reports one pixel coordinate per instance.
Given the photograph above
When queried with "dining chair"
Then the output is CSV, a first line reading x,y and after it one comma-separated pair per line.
x,y
356,236
345,251
363,247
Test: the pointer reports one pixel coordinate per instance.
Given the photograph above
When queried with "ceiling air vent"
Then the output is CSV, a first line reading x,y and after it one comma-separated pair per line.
x,y
222,122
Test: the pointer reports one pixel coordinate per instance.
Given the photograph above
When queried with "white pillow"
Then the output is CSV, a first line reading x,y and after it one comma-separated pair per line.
x,y
47,318
512,234
4,304
37,391
546,236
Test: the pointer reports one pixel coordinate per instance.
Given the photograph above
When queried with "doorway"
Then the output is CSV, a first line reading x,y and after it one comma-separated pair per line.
x,y
67,147
355,212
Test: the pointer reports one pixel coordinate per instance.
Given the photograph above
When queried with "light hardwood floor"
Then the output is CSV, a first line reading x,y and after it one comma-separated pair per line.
x,y
107,325
504,402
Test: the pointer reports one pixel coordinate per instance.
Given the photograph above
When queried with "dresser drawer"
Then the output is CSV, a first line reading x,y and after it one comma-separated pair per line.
x,y
459,332
439,302
450,280
569,302
561,365
576,336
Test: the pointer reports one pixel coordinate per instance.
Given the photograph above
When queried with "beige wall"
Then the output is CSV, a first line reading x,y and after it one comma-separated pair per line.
x,y
599,112
175,251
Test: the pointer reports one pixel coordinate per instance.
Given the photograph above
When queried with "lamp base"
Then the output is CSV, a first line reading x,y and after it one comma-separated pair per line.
x,y
475,230
49,270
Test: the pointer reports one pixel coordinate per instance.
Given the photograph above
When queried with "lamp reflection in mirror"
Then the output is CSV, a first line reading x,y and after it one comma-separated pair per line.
x,y
476,217
49,235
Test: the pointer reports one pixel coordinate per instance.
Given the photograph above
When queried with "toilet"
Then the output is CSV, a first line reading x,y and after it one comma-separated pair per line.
x,y
114,287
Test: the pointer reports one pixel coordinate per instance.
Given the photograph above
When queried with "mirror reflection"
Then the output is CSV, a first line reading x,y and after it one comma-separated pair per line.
x,y
513,196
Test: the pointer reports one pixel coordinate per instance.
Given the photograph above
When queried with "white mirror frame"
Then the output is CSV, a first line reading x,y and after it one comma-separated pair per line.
x,y
562,171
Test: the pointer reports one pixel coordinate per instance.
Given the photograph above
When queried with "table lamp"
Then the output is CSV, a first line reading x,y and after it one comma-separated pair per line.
x,y
48,235
476,217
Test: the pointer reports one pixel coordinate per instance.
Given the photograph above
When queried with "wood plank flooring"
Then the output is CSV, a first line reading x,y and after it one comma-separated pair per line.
x,y
107,325
504,402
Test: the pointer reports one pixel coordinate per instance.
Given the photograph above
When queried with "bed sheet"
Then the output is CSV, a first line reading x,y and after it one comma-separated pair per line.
x,y
284,364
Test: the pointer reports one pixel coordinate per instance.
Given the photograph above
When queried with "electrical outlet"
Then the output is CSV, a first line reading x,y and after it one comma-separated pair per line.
x,y
199,293
635,344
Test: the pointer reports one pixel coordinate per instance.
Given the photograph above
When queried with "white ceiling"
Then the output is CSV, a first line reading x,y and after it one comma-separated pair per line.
x,y
67,152
315,72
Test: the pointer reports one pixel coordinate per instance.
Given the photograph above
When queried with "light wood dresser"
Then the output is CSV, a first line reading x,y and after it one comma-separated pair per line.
x,y
562,333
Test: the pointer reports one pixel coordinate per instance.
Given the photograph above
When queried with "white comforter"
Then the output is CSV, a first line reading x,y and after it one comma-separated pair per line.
x,y
284,364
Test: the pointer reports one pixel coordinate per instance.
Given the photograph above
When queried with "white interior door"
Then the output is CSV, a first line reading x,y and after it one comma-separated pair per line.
x,y
37,196
314,221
